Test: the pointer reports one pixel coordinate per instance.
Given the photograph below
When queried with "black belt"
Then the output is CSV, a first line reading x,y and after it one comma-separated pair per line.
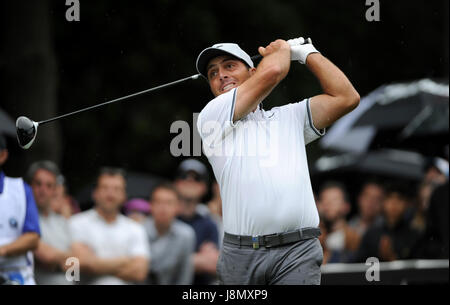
x,y
272,240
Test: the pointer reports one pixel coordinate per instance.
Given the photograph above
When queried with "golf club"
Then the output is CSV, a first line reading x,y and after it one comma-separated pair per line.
x,y
27,128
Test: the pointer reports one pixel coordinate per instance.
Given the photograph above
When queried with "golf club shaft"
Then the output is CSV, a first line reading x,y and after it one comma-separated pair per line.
x,y
120,99
254,58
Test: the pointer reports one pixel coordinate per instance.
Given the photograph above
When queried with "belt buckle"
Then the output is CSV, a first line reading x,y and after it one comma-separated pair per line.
x,y
255,242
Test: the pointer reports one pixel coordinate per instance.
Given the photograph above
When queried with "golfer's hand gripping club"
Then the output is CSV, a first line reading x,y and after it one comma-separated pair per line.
x,y
300,49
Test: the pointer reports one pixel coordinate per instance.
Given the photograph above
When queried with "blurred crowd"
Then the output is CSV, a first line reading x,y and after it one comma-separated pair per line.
x,y
170,237
174,237
394,220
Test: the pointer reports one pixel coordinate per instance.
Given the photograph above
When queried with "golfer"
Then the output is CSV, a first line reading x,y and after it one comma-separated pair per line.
x,y
259,159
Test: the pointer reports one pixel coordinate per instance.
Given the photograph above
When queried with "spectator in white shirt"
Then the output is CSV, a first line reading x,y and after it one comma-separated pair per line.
x,y
112,248
54,246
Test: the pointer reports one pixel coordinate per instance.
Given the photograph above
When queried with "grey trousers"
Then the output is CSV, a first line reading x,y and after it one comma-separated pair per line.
x,y
293,264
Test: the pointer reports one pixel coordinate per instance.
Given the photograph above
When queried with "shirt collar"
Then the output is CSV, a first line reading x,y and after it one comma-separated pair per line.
x,y
2,179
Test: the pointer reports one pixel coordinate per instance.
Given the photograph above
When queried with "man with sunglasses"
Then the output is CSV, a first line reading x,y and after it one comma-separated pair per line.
x,y
191,183
259,159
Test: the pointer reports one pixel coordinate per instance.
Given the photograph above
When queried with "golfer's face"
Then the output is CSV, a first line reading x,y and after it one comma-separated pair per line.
x,y
225,73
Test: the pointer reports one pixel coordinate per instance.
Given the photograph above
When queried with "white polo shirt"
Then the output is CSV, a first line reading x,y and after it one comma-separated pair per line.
x,y
54,232
261,166
123,237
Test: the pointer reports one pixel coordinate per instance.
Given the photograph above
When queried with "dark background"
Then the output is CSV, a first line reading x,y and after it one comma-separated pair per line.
x,y
49,66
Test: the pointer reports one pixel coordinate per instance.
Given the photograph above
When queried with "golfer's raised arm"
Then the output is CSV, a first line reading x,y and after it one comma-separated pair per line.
x,y
272,69
339,97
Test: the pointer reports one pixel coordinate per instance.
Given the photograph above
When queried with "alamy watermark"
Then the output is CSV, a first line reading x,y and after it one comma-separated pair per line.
x,y
373,12
73,12
373,272
73,270
259,140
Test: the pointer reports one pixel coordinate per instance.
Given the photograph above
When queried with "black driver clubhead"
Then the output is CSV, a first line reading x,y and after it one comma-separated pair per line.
x,y
26,131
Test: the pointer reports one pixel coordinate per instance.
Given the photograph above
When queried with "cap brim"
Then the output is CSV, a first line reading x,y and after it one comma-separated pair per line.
x,y
205,56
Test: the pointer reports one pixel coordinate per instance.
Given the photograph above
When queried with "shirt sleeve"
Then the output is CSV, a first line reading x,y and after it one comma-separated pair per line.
x,y
302,112
31,223
310,132
216,119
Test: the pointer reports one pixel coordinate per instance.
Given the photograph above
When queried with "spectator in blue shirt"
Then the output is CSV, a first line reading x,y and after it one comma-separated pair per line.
x,y
191,184
19,227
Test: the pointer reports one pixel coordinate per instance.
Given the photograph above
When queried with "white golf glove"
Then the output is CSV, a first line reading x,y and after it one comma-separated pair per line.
x,y
301,48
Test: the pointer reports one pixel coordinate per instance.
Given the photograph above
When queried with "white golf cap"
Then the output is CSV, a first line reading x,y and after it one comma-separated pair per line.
x,y
221,49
